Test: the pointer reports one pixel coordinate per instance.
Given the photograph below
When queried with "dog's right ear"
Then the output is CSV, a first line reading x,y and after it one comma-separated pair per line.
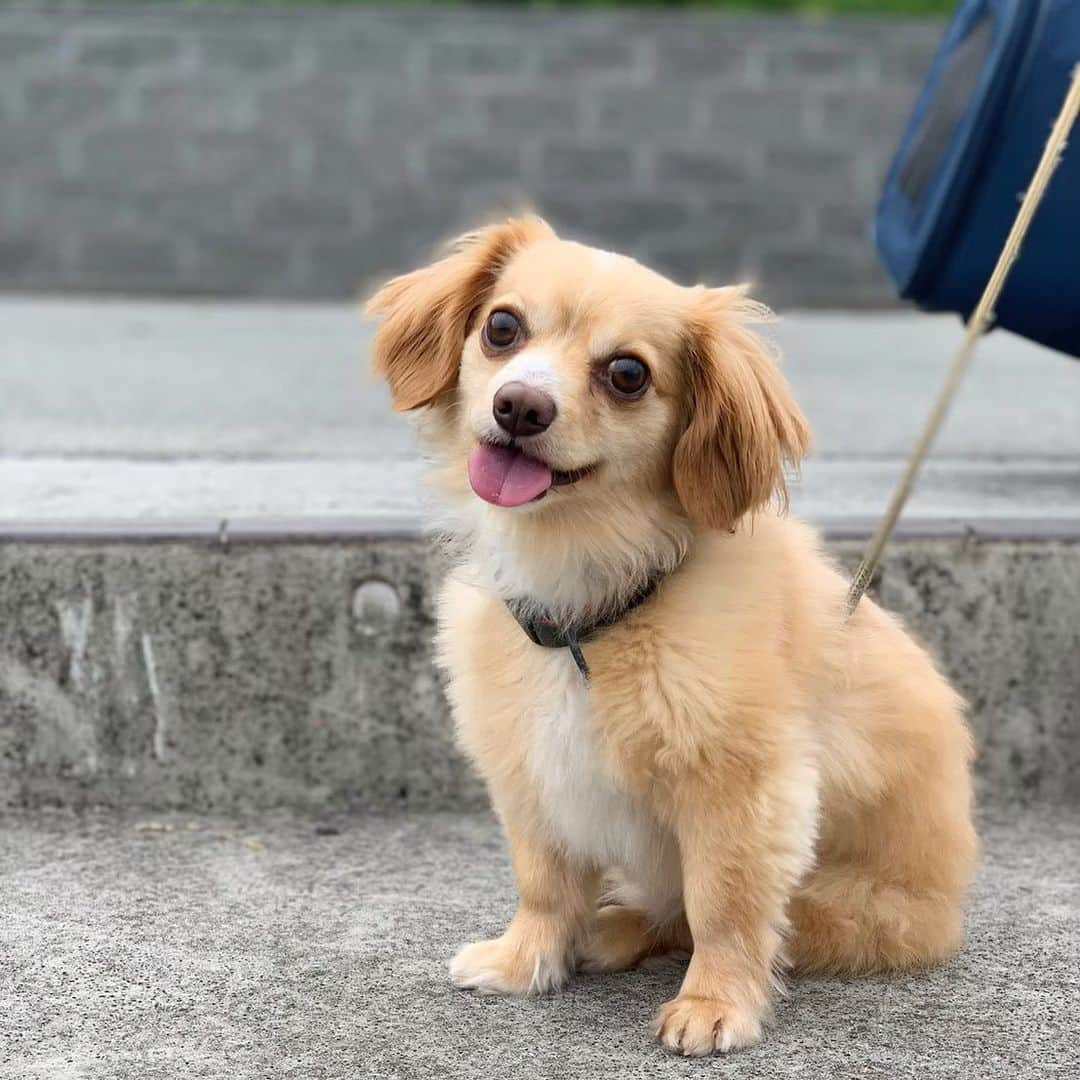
x,y
424,315
743,425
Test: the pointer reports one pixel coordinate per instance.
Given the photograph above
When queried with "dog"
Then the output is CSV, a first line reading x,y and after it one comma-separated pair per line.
x,y
687,742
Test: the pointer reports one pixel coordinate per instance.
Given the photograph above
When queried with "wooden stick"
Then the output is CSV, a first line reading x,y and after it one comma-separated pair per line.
x,y
977,325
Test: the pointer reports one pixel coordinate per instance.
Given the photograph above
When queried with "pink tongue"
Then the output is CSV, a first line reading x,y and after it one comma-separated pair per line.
x,y
505,476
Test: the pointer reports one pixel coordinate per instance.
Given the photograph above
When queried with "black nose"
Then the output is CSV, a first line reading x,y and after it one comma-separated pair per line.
x,y
522,410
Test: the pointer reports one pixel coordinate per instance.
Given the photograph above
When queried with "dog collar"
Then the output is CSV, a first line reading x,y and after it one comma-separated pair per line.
x,y
550,634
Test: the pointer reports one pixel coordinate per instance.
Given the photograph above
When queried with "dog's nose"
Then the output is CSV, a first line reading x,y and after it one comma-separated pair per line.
x,y
523,410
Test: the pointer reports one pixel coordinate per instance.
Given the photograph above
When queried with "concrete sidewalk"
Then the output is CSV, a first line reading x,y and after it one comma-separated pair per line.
x,y
146,411
290,947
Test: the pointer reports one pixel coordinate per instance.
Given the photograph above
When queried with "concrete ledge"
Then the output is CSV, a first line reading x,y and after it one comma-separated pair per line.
x,y
228,531
59,496
192,494
221,677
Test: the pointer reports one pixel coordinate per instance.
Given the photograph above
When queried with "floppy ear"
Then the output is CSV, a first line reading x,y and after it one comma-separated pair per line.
x,y
425,314
743,423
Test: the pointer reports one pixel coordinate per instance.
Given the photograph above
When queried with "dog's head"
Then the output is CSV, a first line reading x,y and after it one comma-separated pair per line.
x,y
557,375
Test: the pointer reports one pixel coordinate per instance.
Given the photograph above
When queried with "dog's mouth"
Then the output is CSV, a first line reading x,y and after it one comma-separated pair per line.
x,y
507,476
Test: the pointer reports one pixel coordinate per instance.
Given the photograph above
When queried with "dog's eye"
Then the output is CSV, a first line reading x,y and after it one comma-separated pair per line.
x,y
501,330
627,376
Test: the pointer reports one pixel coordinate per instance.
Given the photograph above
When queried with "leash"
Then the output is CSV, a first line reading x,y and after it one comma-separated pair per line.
x,y
977,325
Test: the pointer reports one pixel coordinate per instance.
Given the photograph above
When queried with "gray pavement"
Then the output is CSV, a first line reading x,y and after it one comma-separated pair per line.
x,y
290,947
247,405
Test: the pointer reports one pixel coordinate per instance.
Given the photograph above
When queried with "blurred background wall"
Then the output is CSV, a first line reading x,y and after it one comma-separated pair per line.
x,y
269,151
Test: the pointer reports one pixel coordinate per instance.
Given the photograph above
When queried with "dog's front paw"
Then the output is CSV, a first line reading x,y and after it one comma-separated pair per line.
x,y
502,966
695,1026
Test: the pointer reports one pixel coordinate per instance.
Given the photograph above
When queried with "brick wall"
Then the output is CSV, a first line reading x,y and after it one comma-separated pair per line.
x,y
304,152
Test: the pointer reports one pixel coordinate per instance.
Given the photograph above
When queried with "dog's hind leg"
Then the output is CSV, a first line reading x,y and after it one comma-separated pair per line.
x,y
889,892
622,937
843,921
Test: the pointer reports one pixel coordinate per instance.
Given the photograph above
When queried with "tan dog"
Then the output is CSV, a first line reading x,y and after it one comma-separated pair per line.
x,y
744,774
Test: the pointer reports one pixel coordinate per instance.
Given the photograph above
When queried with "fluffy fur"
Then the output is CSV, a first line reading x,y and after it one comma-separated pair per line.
x,y
748,775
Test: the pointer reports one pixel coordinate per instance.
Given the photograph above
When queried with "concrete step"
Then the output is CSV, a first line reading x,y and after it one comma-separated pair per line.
x,y
298,672
218,596
287,946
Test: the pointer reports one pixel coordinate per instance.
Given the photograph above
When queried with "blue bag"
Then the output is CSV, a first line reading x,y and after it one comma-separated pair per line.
x,y
971,146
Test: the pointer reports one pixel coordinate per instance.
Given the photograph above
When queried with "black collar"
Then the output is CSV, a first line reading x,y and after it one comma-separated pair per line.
x,y
551,634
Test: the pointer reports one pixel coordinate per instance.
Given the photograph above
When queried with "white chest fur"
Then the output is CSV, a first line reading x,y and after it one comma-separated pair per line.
x,y
587,810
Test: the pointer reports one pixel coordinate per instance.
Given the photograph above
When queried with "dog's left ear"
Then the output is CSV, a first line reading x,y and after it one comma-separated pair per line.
x,y
742,424
425,314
